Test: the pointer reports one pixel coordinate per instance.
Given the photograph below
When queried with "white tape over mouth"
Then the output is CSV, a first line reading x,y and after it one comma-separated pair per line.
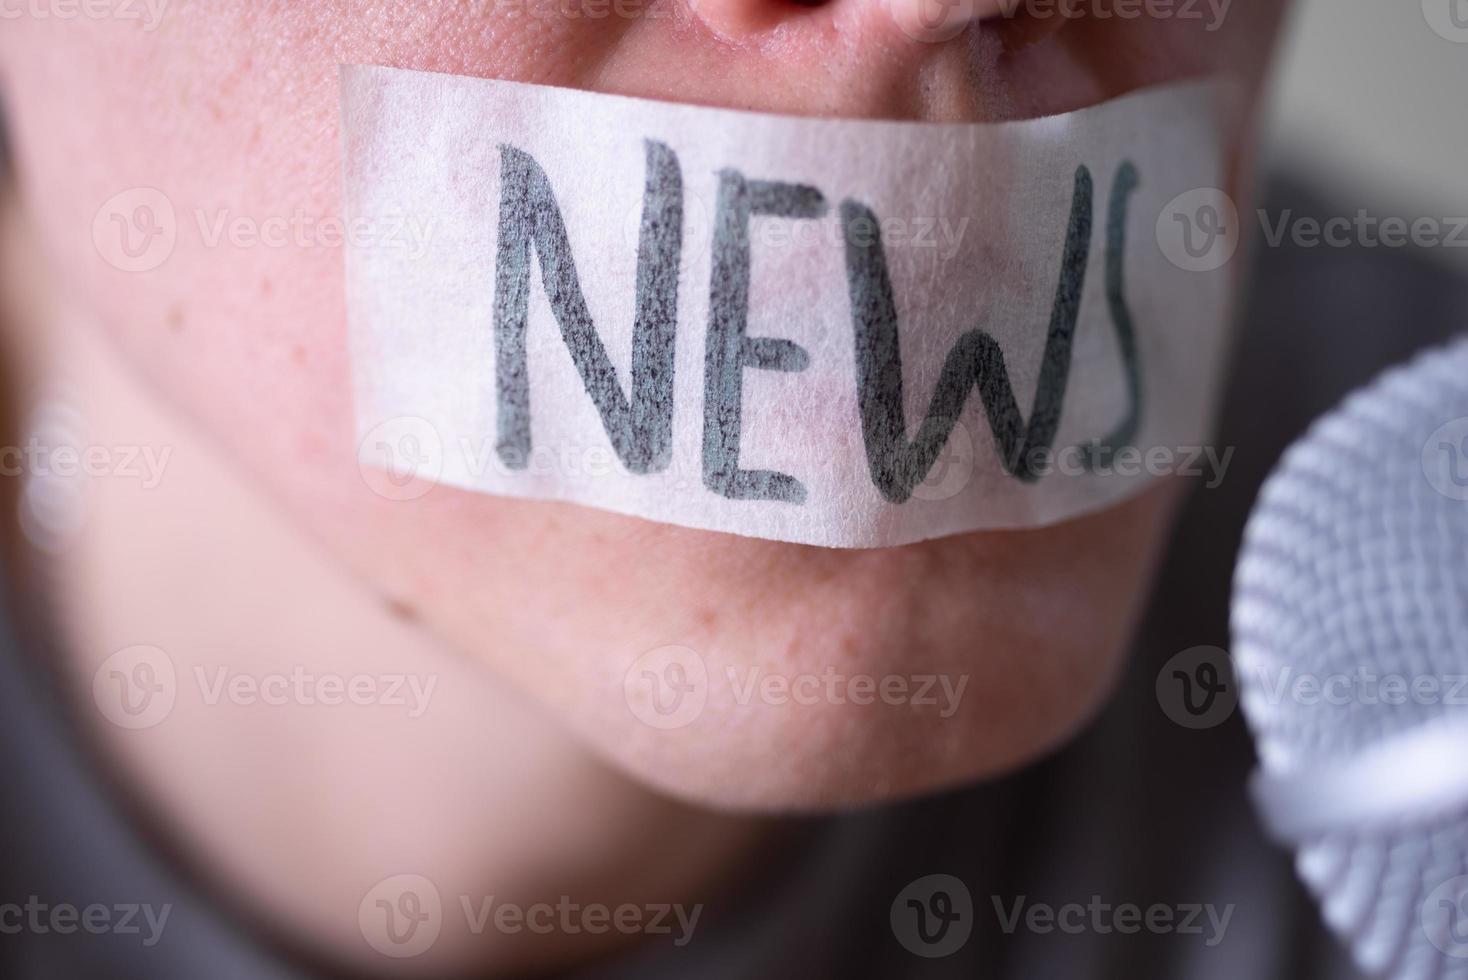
x,y
834,332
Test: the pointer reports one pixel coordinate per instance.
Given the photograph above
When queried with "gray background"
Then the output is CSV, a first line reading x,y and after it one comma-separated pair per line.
x,y
1372,102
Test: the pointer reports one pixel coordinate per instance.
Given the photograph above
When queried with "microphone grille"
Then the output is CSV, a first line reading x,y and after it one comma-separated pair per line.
x,y
1350,621
1350,609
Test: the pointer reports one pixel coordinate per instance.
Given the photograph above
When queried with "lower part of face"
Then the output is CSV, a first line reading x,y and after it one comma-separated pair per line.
x,y
231,109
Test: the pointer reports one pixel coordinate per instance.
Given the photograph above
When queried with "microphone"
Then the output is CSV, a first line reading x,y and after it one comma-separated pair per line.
x,y
1350,645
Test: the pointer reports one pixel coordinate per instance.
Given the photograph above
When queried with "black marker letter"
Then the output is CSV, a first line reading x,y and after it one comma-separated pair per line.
x,y
897,465
641,432
1102,450
730,350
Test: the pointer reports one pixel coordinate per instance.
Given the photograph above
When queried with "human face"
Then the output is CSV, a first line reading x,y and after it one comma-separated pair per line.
x,y
232,106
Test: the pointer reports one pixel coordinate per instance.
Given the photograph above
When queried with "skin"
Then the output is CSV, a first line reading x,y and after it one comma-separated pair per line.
x,y
529,614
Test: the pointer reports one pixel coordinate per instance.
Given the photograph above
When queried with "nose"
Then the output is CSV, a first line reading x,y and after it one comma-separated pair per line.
x,y
931,21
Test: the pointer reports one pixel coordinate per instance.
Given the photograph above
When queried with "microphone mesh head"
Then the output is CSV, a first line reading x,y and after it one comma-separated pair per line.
x,y
1350,626
1354,570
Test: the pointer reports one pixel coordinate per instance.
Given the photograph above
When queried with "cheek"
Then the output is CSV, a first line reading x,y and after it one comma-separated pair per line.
x,y
236,310
232,144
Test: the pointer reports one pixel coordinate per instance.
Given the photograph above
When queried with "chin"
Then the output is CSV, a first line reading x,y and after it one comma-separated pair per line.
x,y
754,675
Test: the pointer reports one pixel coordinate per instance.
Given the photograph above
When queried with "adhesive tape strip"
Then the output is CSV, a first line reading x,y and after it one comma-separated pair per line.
x,y
836,332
